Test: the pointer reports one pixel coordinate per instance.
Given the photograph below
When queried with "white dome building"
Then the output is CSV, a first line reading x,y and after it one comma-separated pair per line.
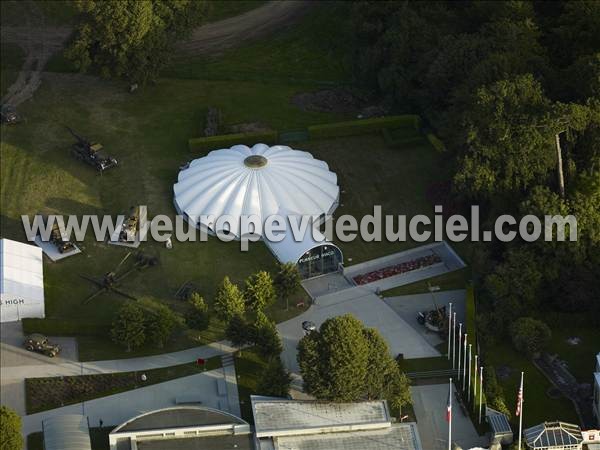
x,y
261,181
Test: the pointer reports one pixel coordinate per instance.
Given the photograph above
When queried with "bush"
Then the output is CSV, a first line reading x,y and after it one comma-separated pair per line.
x,y
228,140
436,142
530,336
363,126
57,327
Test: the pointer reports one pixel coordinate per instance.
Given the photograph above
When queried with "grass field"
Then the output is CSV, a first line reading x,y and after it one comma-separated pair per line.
x,y
53,392
446,282
10,64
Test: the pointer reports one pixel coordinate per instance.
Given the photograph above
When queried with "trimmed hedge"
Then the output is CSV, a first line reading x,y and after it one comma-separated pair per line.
x,y
410,139
363,126
57,327
436,142
228,140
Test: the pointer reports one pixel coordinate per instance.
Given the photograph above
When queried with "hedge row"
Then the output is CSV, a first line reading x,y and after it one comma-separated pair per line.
x,y
57,327
436,143
228,140
405,141
363,126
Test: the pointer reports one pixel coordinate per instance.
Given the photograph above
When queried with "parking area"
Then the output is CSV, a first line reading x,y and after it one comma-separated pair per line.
x,y
429,403
369,309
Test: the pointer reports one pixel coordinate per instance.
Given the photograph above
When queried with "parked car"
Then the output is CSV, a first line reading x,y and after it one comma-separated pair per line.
x,y
39,343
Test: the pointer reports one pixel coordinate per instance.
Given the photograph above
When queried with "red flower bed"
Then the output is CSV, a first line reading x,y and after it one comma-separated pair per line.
x,y
397,269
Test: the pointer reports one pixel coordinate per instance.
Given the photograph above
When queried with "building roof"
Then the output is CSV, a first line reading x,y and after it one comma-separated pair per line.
x,y
552,434
177,417
279,417
397,437
259,181
239,442
498,421
67,432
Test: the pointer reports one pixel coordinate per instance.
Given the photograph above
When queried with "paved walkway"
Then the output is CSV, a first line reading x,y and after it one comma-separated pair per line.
x,y
429,403
115,409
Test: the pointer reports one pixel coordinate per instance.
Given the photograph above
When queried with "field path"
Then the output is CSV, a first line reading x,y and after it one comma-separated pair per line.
x,y
227,33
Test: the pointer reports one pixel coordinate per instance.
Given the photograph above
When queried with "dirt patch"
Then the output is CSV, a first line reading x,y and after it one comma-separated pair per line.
x,y
249,127
337,100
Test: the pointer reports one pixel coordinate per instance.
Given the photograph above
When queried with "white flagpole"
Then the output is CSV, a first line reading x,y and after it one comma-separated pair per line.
x,y
465,363
521,400
453,340
450,421
480,391
470,370
475,380
459,348
449,328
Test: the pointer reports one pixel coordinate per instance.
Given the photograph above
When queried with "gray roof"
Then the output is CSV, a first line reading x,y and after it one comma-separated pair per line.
x,y
397,437
67,432
272,416
498,421
177,417
553,434
239,442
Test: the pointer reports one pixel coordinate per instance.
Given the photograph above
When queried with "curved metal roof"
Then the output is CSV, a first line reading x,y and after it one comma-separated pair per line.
x,y
259,181
67,432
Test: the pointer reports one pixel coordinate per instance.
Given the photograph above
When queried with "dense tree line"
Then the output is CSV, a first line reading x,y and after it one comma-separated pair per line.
x,y
513,90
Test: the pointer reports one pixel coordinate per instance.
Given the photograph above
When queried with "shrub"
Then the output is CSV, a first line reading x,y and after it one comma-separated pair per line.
x,y
228,140
364,126
436,142
530,336
198,316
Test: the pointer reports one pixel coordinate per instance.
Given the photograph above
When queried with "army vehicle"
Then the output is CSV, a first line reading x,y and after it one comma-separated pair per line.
x,y
62,245
8,114
91,153
39,343
130,225
110,281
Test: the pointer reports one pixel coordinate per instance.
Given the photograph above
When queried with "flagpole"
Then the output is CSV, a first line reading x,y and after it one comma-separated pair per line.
x,y
470,370
475,379
480,391
465,363
449,328
450,417
521,400
453,340
459,347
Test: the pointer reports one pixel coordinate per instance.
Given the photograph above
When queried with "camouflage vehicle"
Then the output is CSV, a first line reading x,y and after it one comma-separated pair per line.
x,y
130,225
91,153
39,343
62,245
8,114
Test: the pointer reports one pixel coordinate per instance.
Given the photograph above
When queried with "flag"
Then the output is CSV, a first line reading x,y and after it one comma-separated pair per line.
x,y
449,406
520,399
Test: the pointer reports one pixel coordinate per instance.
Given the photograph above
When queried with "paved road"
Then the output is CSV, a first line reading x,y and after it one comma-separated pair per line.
x,y
115,409
429,403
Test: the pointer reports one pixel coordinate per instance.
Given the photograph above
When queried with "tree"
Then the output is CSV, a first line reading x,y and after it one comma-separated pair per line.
x,y
128,328
160,322
238,332
259,290
399,391
530,336
265,336
10,430
494,394
275,380
198,317
130,39
229,301
287,281
344,361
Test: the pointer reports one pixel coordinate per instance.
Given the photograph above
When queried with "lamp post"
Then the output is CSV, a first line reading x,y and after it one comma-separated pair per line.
x,y
465,363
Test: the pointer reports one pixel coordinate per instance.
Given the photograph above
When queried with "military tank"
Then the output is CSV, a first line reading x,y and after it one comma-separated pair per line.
x,y
91,153
130,225
62,245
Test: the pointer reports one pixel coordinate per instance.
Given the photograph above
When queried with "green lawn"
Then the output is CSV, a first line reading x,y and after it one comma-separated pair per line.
x,y
42,394
447,282
10,63
47,12
249,367
581,358
223,9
